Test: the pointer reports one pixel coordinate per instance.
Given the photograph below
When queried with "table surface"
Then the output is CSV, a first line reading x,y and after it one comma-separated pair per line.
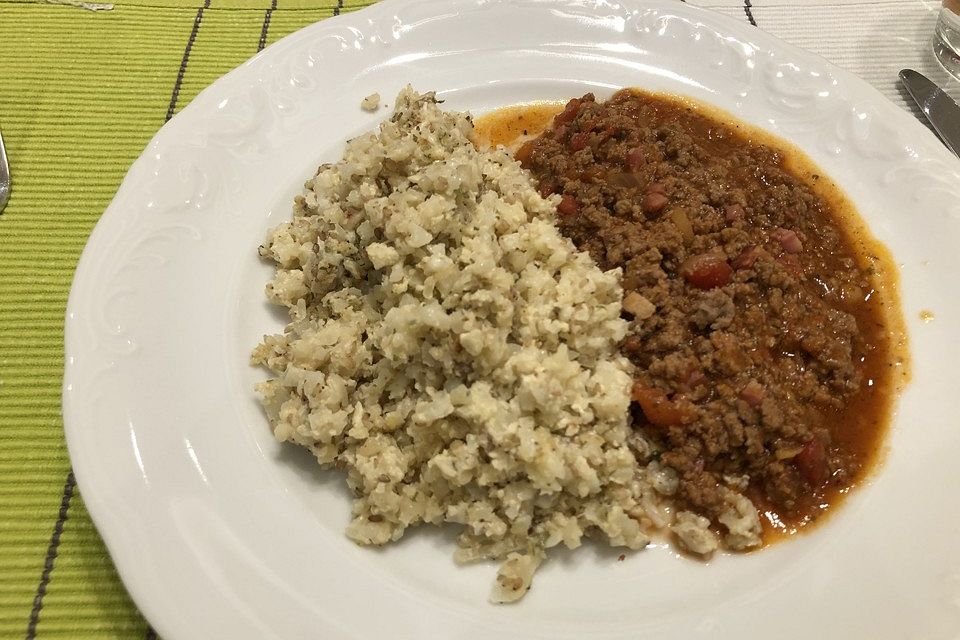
x,y
83,87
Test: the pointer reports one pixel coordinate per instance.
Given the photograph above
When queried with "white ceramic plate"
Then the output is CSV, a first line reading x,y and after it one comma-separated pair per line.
x,y
218,532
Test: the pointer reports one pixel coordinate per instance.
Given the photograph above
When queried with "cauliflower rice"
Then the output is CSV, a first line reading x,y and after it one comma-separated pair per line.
x,y
458,358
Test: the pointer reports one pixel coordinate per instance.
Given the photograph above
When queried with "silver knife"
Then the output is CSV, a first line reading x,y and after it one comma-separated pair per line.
x,y
4,176
939,108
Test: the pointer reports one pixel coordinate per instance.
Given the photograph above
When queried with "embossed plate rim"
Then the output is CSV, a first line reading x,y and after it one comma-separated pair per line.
x,y
149,450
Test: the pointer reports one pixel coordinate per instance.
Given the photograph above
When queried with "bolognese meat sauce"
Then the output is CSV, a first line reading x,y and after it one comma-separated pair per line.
x,y
758,339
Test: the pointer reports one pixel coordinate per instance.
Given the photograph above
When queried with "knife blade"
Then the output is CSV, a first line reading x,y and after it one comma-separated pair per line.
x,y
940,109
4,176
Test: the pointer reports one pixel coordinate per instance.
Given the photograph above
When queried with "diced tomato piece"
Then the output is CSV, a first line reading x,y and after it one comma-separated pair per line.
x,y
788,239
524,152
579,141
547,188
811,462
568,114
654,202
634,158
706,271
659,409
568,205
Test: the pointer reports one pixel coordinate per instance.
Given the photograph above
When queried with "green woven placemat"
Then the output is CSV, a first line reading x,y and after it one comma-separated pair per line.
x,y
81,93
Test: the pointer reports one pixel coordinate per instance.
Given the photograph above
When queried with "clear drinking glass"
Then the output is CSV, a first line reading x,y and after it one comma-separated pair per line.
x,y
946,44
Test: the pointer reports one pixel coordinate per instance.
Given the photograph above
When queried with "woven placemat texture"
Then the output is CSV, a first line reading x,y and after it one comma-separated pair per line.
x,y
83,86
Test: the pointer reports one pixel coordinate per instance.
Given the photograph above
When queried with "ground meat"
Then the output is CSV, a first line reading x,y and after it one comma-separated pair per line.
x,y
714,310
753,349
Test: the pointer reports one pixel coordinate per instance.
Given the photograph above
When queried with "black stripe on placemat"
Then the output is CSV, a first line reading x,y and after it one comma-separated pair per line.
x,y
266,25
748,9
151,634
68,487
175,94
336,9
